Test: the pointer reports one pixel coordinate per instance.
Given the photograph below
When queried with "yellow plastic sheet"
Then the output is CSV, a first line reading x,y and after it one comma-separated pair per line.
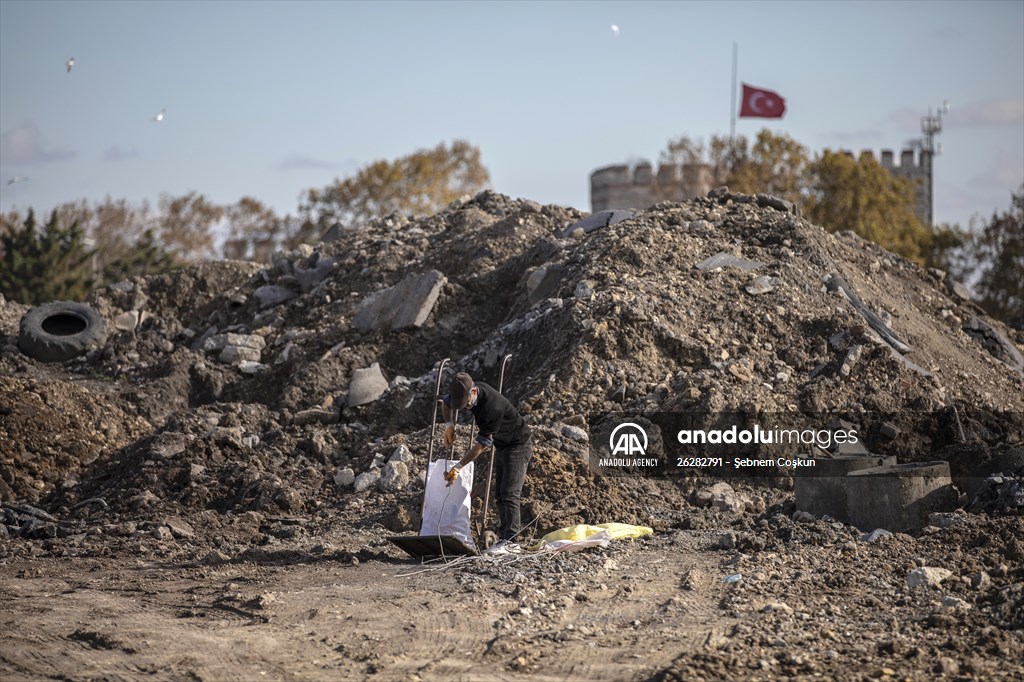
x,y
584,535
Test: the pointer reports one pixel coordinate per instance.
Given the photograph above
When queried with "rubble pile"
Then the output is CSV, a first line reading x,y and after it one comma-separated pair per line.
x,y
289,388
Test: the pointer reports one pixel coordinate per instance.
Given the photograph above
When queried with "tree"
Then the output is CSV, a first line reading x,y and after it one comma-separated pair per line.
x,y
998,251
837,191
254,231
146,256
720,153
683,151
776,165
862,196
115,226
44,265
421,183
186,225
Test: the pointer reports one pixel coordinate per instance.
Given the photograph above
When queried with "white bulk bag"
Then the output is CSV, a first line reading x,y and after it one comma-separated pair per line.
x,y
446,509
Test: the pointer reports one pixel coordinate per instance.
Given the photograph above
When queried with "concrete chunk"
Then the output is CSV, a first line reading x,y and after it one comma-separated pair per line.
x,y
995,343
367,385
927,575
597,221
344,477
395,476
366,480
180,528
269,295
236,355
544,281
246,341
407,304
127,322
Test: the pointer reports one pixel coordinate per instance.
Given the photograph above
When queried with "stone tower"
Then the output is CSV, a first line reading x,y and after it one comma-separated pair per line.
x,y
915,166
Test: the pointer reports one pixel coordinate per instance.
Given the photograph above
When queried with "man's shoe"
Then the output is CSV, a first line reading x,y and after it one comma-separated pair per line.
x,y
504,547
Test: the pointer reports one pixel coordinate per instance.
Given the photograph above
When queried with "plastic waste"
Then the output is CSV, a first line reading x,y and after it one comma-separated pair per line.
x,y
575,538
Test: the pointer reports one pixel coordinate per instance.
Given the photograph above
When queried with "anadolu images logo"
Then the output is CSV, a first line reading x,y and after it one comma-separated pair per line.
x,y
626,440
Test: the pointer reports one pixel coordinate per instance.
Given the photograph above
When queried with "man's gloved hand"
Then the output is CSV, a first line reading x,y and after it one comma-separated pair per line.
x,y
452,474
448,437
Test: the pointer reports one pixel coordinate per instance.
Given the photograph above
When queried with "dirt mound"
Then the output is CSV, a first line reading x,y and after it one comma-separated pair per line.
x,y
725,303
51,430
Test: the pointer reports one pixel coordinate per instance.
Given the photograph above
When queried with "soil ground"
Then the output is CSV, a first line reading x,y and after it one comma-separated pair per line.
x,y
657,608
325,617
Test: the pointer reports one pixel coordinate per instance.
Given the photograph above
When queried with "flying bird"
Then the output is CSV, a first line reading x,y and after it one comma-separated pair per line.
x,y
17,178
615,30
69,63
159,117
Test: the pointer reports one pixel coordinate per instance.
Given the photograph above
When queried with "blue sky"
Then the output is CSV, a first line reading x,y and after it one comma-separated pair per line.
x,y
267,99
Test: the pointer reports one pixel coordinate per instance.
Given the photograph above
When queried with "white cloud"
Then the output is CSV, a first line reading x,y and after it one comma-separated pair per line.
x,y
25,145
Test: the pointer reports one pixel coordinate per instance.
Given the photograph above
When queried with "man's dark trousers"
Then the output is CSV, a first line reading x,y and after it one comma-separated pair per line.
x,y
510,472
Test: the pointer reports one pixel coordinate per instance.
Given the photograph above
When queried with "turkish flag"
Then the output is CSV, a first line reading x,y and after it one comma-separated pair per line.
x,y
761,103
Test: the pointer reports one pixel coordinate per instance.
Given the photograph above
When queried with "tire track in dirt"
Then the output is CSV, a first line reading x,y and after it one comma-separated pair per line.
x,y
328,620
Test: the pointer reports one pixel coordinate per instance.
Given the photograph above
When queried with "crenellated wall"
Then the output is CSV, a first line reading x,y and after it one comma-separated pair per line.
x,y
637,186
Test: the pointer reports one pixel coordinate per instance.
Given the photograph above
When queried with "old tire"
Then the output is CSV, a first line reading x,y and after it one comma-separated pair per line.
x,y
58,331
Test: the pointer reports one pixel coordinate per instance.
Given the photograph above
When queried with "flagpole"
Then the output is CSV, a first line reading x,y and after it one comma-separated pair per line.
x,y
732,124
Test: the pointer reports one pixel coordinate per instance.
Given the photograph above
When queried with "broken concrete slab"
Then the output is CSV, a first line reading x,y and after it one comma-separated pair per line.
x,y
270,295
900,497
180,528
598,220
407,304
367,385
728,260
995,343
309,278
543,282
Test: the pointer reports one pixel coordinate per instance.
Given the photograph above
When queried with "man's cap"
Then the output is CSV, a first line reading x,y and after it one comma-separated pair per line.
x,y
461,385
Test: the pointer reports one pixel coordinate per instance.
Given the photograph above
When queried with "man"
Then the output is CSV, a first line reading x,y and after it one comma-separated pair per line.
x,y
498,424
